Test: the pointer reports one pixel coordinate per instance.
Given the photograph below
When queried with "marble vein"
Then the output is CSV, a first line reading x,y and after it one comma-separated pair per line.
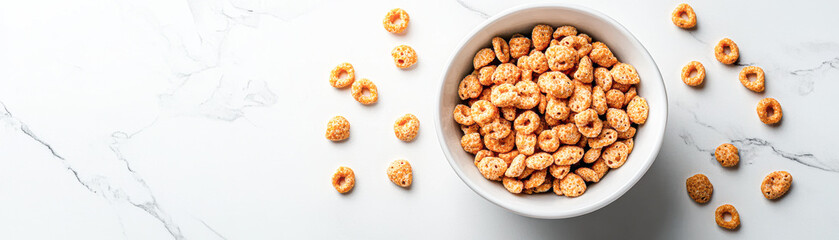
x,y
472,9
807,76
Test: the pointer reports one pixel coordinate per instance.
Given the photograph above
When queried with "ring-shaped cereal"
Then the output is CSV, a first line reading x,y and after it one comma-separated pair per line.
x,y
591,155
506,73
696,80
463,115
602,55
539,161
564,31
492,168
733,54
485,75
396,20
529,96
578,44
358,89
556,84
585,70
548,141
503,145
572,185
502,50
516,167
509,113
472,143
343,179
498,129
484,112
561,58
699,188
511,184
400,173
519,46
588,123
474,128
615,155
685,9
567,133
559,171
606,138
404,56
406,127
769,111
470,87
719,216
568,155
618,119
625,74
526,143
598,100
504,95
603,78
581,98
758,84
727,155
587,174
541,36
776,184
537,61
483,58
557,109
335,76
638,110
480,155
527,122
337,129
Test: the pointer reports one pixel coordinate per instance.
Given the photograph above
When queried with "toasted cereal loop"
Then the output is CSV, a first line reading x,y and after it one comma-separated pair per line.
x,y
757,84
585,71
539,161
343,179
504,95
603,78
588,123
585,37
508,156
583,141
469,87
483,57
567,133
557,110
578,44
526,75
502,50
581,98
526,173
559,171
720,218
496,129
471,143
600,167
629,94
629,145
505,144
572,185
598,100
606,138
529,96
516,167
615,155
568,155
592,155
337,129
587,174
526,143
536,179
399,172
463,115
546,186
484,112
485,75
406,127
624,74
557,189
506,73
360,87
482,154
699,188
519,46
513,185
726,58
523,63
769,111
541,36
776,184
548,141
727,154
537,61
628,134
618,119
509,113
335,78
404,56
561,58
685,23
554,43
638,110
474,128
691,67
527,122
621,87
396,20
564,31
556,84
492,168
601,55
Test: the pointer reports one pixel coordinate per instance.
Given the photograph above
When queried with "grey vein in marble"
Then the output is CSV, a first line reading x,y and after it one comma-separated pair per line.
x,y
472,9
807,78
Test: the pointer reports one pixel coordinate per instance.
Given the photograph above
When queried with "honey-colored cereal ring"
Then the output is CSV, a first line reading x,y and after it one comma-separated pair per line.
x,y
561,58
503,145
625,74
483,57
559,171
731,57
472,143
400,173
497,129
546,186
585,70
502,50
537,61
572,185
484,112
343,180
685,9
629,94
529,96
548,141
407,127
557,109
603,78
581,98
592,155
587,174
492,168
526,173
539,161
508,156
390,21
404,56
578,44
556,187
504,95
606,138
600,167
564,31
335,76
509,113
776,184
506,73
567,133
602,55
541,36
628,134
536,179
638,110
337,129
358,88
474,128
519,46
588,123
480,155
568,155
758,84
469,87
769,111
513,185
526,143
727,155
556,84
598,100
618,119
696,80
527,122
719,216
615,155
485,75
630,144
463,115
516,167
699,188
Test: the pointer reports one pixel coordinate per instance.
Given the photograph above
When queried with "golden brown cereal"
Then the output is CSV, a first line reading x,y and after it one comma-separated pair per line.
x,y
572,185
625,74
554,43
484,112
360,87
592,155
508,156
481,155
720,218
343,180
588,123
526,75
539,161
492,168
406,127
529,95
564,31
472,143
541,36
776,184
696,80
606,138
578,44
757,84
556,182
546,186
568,155
483,57
603,78
629,145
557,110
585,37
581,98
463,115
587,174
601,55
404,56
598,100
537,61
726,58
474,128
396,20
615,98
513,185
536,179
506,73
628,134
485,95
615,155
638,110
629,94
556,84
527,122
335,78
600,167
699,188
485,75
559,171
548,141
567,133
519,46
769,111
497,129
727,155
516,167
526,143
618,119
505,144
509,113
523,63
585,70
561,58
685,23
526,173
337,129
502,50
469,87
400,173
504,95
622,87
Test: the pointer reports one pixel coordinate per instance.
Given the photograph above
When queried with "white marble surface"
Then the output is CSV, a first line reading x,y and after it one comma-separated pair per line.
x,y
204,120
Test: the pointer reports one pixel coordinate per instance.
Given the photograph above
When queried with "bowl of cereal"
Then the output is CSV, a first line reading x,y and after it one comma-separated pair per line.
x,y
551,110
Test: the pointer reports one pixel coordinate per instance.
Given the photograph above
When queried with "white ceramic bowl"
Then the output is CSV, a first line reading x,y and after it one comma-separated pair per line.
x,y
623,44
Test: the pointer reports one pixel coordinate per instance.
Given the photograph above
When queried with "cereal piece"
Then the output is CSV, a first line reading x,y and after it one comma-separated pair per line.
x,y
578,44
699,188
529,96
526,75
561,58
615,98
564,31
483,58
523,63
360,87
504,95
471,143
691,67
537,61
541,36
568,155
769,111
527,122
600,167
519,46
572,185
485,94
554,43
727,155
335,78
536,179
624,74
508,156
606,138
503,145
513,185
567,133
399,172
556,84
404,56
603,78
396,20
492,168
587,174
583,141
343,179
508,113
557,110
585,70
407,127
337,129
581,98
601,55
506,73
685,23
629,145
548,141
474,128
526,143
585,37
539,161
592,155
618,119
621,87
516,167
776,184
629,94
484,112
499,128
502,50
733,51
559,171
526,173
720,218
481,155
598,100
638,110
588,123
757,84
615,155
485,75
546,186
627,134
463,115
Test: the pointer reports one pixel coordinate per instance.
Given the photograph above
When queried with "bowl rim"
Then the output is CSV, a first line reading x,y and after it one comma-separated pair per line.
x,y
574,212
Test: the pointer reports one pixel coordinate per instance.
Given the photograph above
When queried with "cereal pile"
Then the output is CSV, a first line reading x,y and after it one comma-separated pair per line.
x,y
552,111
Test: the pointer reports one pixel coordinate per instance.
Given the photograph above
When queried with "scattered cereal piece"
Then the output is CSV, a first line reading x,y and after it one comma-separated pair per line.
x,y
722,56
471,143
769,111
502,50
727,155
625,74
404,56
492,168
396,20
699,188
687,10
601,55
343,180
360,87
776,184
406,127
400,173
572,185
541,36
483,57
337,129
720,218
513,185
335,78
691,67
758,84
638,110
